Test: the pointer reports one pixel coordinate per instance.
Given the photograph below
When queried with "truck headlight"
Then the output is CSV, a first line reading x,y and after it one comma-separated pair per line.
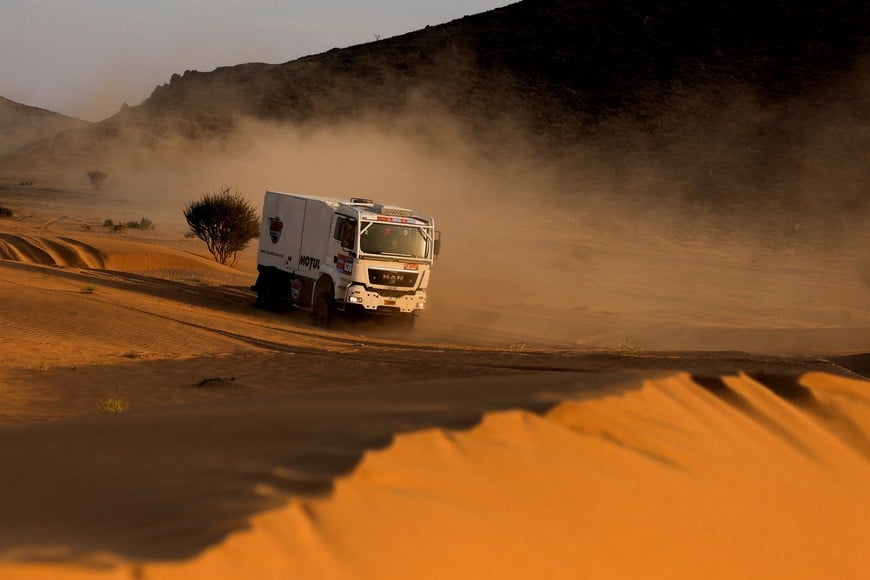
x,y
355,300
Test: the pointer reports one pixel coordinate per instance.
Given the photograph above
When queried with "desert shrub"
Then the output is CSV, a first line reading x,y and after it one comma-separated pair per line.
x,y
5,211
225,221
114,404
108,223
143,224
96,178
628,345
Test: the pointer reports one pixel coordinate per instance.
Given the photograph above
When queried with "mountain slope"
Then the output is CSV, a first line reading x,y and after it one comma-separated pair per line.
x,y
578,56
22,124
556,63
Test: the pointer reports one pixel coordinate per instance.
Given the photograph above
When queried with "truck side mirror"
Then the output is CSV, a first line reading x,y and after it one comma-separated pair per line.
x,y
437,246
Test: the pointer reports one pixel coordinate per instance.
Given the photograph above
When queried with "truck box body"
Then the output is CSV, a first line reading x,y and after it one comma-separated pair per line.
x,y
357,254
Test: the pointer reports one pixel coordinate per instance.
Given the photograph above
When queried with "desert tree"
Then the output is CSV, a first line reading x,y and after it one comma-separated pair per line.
x,y
225,221
96,178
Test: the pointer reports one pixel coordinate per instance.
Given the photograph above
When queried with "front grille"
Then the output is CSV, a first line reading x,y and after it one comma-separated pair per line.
x,y
392,278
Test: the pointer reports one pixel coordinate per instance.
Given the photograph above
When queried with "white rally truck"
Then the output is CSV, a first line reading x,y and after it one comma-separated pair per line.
x,y
344,255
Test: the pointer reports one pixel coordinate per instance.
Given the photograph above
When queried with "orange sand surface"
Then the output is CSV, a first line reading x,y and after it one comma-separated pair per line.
x,y
717,477
249,444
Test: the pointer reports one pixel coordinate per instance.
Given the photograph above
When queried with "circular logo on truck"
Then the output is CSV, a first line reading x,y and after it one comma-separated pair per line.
x,y
295,289
275,228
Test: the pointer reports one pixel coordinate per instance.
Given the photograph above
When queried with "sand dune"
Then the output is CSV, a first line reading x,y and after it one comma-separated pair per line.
x,y
48,251
679,477
101,253
719,478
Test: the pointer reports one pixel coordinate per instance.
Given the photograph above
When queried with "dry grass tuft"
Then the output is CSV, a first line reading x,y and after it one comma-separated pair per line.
x,y
114,404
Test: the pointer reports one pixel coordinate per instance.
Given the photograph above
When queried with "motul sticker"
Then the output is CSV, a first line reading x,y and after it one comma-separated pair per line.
x,y
276,226
412,266
309,262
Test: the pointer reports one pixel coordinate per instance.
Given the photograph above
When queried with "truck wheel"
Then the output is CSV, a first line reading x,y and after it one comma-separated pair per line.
x,y
262,296
407,321
324,308
266,297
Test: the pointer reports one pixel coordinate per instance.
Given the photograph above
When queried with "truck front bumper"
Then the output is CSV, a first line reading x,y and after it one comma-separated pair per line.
x,y
359,295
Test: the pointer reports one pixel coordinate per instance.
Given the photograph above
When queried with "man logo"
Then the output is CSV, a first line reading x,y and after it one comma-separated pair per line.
x,y
275,228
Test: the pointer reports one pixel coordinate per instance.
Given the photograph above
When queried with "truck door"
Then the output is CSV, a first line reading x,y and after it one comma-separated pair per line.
x,y
315,240
343,245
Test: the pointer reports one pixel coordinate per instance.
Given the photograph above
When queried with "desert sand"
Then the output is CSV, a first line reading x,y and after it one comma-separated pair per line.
x,y
604,431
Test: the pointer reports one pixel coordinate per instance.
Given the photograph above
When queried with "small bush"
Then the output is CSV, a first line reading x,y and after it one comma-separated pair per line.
x,y
96,178
143,224
628,345
89,289
225,221
114,404
5,211
108,223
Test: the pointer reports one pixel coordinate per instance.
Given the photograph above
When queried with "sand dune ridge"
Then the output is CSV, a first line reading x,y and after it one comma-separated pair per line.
x,y
50,251
768,472
684,477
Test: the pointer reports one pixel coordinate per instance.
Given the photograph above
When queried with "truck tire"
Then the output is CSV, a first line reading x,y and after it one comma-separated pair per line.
x,y
262,296
324,309
407,322
266,297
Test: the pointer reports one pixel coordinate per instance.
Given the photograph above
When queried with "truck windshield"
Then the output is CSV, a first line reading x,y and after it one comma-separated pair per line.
x,y
393,240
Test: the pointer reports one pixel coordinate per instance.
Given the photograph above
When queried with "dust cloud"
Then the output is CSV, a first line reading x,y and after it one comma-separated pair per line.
x,y
718,219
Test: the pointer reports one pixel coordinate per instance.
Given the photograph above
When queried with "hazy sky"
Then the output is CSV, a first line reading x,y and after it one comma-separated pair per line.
x,y
85,58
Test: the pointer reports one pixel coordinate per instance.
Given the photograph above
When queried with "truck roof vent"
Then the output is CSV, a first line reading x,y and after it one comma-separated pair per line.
x,y
396,211
361,201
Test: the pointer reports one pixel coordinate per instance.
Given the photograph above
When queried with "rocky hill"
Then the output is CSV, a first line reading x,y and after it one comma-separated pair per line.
x,y
22,124
555,62
571,58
